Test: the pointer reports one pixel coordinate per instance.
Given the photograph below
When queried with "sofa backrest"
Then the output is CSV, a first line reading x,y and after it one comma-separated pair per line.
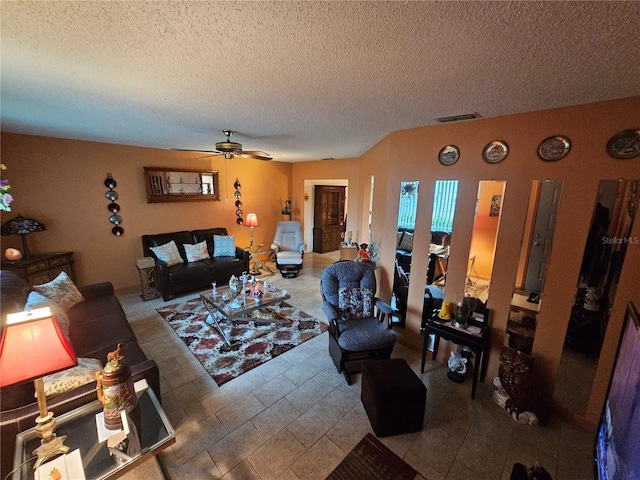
x,y
440,238
14,291
180,238
404,239
207,234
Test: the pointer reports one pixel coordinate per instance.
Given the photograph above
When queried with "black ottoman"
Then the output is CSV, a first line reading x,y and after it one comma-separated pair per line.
x,y
393,397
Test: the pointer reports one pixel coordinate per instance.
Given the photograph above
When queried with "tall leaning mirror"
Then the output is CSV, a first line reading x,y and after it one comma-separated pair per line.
x,y
604,254
484,238
407,208
445,196
537,242
444,206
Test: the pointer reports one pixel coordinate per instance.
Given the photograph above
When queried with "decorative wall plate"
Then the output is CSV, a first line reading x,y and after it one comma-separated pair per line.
x,y
554,148
495,152
449,155
624,145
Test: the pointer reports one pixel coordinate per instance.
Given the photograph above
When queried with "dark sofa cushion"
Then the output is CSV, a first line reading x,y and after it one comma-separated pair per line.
x,y
14,291
187,271
96,327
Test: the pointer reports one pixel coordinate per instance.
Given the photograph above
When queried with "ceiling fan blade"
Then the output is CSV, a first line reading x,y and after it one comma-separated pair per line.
x,y
192,150
257,155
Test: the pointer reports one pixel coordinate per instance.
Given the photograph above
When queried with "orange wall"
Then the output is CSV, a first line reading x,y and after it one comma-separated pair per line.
x,y
589,127
60,182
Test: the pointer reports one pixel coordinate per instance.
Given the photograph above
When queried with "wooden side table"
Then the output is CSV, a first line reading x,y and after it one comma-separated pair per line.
x,y
42,267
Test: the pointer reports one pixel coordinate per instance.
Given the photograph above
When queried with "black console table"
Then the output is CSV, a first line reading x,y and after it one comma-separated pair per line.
x,y
475,337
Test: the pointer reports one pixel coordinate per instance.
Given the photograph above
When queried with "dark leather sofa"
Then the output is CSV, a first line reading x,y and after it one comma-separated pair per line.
x,y
97,325
190,276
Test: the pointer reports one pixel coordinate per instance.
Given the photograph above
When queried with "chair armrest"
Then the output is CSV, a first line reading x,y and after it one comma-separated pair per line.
x,y
302,247
384,307
330,311
275,247
242,254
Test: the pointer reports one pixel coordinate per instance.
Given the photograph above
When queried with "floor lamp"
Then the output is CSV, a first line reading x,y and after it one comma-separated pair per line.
x,y
36,335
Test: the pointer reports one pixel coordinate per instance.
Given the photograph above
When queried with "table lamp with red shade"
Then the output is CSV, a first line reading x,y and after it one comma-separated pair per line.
x,y
33,346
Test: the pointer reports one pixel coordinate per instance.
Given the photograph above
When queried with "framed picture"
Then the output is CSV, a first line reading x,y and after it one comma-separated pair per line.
x,y
495,152
554,148
449,155
624,145
496,204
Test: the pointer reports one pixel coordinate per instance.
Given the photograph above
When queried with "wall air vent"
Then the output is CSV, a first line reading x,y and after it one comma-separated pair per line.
x,y
457,118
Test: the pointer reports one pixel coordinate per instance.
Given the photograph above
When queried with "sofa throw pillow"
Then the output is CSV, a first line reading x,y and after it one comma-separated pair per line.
x,y
355,302
37,300
196,252
81,374
168,253
61,290
224,246
407,242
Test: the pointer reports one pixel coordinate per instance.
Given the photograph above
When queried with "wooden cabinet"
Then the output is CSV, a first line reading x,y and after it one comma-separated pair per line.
x,y
43,267
328,218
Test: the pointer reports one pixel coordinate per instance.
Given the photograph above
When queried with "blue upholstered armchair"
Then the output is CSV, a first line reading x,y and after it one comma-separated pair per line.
x,y
356,317
289,247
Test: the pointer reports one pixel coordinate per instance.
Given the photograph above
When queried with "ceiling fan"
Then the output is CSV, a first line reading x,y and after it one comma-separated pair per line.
x,y
231,149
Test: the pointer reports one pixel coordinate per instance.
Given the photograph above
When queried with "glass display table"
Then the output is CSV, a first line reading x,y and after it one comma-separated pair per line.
x,y
153,433
229,305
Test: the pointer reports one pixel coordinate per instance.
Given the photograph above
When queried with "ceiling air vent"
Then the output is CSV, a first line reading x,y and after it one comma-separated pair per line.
x,y
457,118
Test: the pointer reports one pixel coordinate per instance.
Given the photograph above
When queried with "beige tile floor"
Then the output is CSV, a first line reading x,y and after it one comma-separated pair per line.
x,y
294,418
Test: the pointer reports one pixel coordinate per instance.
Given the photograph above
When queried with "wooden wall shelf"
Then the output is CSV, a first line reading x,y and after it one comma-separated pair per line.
x,y
181,185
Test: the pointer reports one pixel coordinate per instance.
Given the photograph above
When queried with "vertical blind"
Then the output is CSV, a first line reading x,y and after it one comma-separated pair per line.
x,y
408,205
444,205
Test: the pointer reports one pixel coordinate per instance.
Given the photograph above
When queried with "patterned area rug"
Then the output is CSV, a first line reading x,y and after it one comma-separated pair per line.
x,y
372,460
270,332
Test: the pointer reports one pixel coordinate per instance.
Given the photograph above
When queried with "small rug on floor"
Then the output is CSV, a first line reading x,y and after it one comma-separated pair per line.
x,y
372,460
254,341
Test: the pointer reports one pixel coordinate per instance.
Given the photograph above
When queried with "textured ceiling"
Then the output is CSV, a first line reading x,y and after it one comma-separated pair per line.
x,y
301,80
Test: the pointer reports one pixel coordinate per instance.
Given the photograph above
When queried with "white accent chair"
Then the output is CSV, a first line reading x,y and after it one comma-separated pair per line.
x,y
289,248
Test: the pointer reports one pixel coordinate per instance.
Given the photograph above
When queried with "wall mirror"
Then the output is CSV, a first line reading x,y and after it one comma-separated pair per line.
x,y
484,237
605,248
180,185
445,196
407,208
537,242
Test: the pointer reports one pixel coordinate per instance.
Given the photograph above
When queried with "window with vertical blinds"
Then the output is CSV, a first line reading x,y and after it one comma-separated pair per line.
x,y
444,205
408,205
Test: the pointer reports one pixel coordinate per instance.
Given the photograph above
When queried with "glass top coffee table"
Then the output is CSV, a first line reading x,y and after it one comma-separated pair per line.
x,y
153,433
232,305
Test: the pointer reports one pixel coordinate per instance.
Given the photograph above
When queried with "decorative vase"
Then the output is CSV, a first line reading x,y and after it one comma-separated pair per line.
x,y
115,389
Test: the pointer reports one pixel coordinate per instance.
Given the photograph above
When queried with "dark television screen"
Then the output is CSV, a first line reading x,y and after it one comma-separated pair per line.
x,y
617,446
